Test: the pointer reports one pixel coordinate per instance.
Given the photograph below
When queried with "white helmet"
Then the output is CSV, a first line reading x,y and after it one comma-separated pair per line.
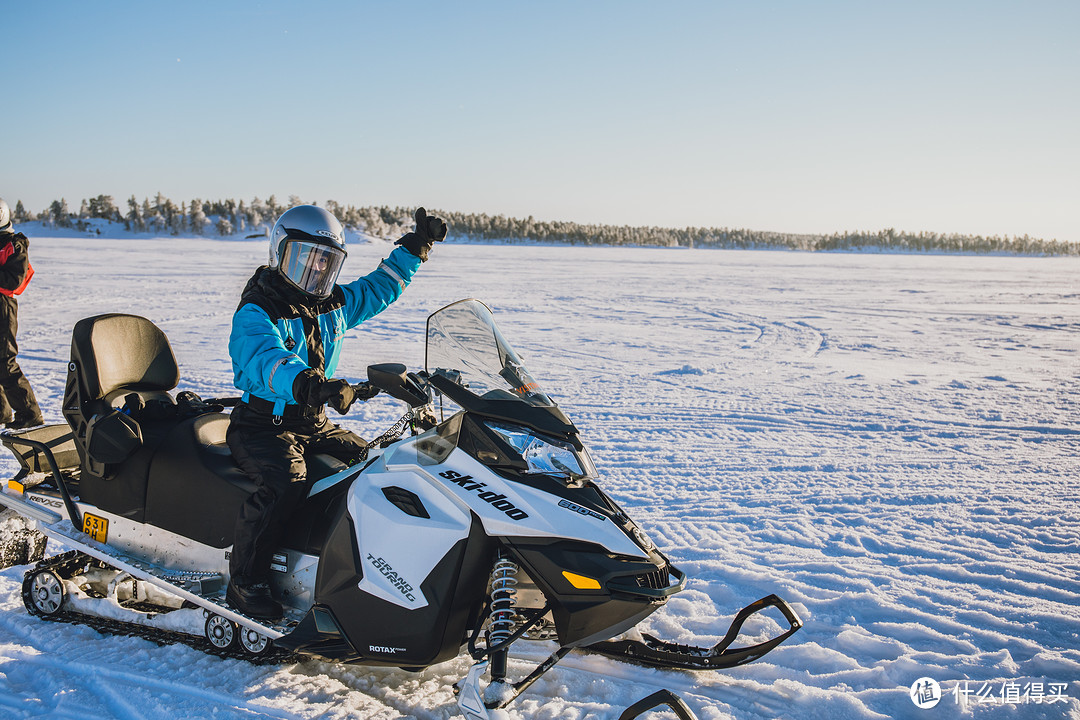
x,y
5,216
307,246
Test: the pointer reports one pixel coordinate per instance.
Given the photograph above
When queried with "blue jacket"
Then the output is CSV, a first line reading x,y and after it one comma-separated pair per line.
x,y
276,336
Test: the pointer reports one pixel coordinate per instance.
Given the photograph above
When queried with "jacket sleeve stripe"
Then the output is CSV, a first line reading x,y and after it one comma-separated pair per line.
x,y
390,271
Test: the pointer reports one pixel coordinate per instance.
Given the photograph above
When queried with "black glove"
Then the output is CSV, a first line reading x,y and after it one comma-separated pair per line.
x,y
311,388
365,391
429,230
340,395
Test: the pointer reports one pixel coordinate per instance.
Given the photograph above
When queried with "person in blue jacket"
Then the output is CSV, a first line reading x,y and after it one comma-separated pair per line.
x,y
285,344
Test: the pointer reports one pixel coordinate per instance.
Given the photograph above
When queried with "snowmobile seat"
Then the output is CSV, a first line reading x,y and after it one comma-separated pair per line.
x,y
170,469
113,356
195,487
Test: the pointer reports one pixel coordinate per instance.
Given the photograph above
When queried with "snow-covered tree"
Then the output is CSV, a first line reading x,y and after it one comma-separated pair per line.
x,y
196,217
134,216
155,221
240,217
59,214
256,213
102,206
176,219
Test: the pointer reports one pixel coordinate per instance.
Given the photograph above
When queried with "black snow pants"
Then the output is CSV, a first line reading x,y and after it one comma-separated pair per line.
x,y
17,399
273,457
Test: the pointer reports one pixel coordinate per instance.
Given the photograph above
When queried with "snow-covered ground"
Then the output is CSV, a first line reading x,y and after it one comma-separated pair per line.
x,y
889,442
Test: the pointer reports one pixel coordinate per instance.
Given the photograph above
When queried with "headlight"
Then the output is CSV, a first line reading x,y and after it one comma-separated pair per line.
x,y
546,456
642,539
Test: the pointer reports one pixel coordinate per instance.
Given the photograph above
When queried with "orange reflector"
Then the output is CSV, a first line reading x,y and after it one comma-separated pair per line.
x,y
15,486
581,582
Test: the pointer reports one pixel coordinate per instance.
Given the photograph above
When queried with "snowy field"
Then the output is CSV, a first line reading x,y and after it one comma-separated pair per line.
x,y
889,442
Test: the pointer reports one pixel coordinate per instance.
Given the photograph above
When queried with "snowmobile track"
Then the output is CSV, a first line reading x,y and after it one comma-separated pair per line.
x,y
164,637
74,559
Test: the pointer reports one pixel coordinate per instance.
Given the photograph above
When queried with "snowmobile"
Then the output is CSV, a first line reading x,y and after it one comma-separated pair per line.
x,y
474,530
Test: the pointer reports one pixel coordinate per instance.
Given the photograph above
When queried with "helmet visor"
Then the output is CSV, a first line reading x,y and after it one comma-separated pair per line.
x,y
311,267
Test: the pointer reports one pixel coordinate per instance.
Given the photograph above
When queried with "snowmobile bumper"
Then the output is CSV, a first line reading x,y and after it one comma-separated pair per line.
x,y
612,594
36,450
28,509
657,653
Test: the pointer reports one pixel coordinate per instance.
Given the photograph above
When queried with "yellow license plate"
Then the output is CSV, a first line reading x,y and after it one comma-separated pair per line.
x,y
96,527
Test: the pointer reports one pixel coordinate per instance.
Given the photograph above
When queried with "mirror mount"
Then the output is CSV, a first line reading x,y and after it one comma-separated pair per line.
x,y
395,380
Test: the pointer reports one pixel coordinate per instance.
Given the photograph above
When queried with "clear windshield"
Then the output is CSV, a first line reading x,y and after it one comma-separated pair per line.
x,y
463,337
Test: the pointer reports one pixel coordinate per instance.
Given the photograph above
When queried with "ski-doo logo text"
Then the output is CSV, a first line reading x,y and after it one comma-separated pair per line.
x,y
497,501
388,572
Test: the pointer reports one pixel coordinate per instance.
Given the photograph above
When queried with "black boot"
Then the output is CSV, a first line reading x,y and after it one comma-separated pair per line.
x,y
254,600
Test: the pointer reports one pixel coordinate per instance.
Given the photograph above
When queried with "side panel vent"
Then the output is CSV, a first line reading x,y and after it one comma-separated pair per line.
x,y
406,501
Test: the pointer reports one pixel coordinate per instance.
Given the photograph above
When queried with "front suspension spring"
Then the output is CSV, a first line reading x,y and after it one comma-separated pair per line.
x,y
503,589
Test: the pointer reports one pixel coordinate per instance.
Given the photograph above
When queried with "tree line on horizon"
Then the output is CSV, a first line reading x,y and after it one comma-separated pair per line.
x,y
229,217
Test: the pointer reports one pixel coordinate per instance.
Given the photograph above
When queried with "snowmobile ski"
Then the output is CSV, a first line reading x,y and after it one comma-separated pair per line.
x,y
658,653
658,698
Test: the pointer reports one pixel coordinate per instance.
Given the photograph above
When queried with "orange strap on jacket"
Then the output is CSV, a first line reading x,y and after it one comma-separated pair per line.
x,y
5,253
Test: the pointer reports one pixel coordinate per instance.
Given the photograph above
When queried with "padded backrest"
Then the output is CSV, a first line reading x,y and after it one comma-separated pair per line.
x,y
117,351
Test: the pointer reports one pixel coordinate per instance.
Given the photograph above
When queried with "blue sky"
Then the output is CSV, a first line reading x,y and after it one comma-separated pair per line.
x,y
786,116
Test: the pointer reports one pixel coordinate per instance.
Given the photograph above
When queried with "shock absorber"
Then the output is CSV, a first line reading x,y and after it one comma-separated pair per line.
x,y
503,589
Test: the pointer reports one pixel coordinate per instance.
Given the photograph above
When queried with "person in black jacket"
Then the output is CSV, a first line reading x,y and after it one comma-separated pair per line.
x,y
18,406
